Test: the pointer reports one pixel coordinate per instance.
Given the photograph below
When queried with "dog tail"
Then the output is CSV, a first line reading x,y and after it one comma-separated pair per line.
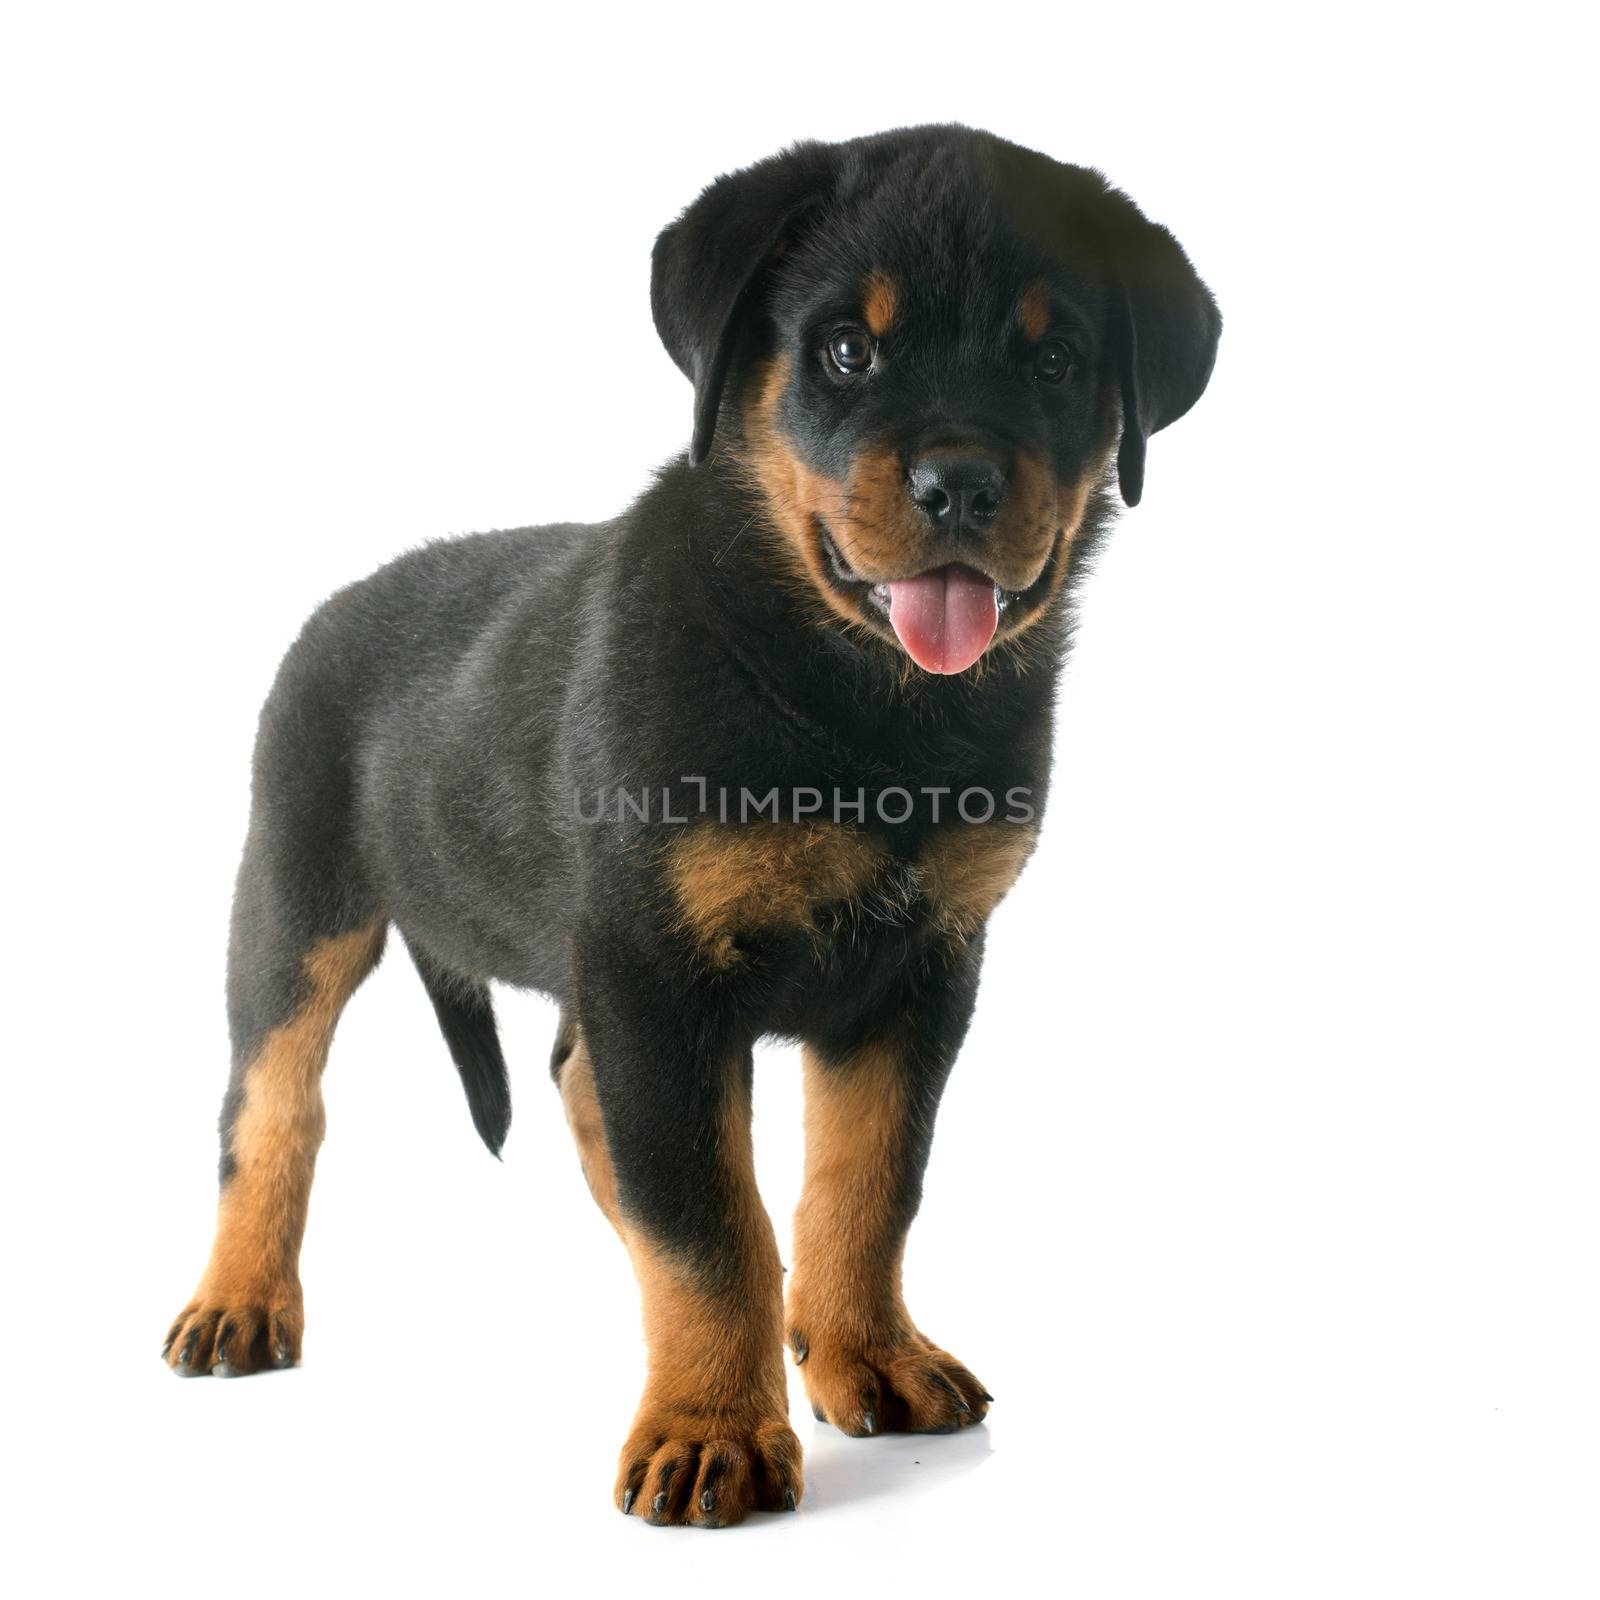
x,y
466,1018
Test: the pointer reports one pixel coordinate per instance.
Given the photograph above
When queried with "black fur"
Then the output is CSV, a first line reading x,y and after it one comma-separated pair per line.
x,y
466,1018
439,730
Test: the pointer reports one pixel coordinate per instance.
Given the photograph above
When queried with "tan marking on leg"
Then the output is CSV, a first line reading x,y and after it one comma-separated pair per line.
x,y
711,1440
1033,314
248,1304
735,879
880,300
710,1350
582,1106
847,1248
867,1367
967,868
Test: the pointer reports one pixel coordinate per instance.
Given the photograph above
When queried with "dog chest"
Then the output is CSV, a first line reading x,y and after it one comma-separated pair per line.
x,y
731,885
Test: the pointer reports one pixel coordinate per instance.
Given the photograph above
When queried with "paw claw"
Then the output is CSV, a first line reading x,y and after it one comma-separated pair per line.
x,y
233,1335
690,1465
904,1384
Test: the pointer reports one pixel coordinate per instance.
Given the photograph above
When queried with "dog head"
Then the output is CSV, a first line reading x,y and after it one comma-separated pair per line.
x,y
923,348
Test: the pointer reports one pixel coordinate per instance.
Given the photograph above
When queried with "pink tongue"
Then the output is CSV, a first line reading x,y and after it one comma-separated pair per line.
x,y
945,619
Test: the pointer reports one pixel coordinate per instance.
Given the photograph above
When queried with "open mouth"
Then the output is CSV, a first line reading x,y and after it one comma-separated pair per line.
x,y
944,618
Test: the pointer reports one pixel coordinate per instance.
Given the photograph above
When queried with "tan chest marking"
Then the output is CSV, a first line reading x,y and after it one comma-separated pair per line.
x,y
966,869
761,877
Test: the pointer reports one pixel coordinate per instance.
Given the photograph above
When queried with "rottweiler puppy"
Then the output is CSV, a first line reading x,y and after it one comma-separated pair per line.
x,y
758,757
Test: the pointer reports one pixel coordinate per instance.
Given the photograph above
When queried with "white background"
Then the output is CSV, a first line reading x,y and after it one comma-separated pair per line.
x,y
1264,1197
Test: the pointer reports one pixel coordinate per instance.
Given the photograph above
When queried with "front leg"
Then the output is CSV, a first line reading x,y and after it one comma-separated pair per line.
x,y
871,1097
676,1174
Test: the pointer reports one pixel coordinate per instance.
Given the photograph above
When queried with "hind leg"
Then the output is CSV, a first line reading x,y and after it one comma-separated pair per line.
x,y
292,967
569,1065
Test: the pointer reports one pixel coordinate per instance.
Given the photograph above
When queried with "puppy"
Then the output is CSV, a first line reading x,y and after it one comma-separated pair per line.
x,y
758,757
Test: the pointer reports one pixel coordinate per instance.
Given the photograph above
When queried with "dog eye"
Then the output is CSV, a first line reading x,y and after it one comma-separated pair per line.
x,y
1053,362
850,350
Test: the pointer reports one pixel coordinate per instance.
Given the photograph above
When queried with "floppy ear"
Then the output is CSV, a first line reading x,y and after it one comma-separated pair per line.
x,y
1164,329
708,265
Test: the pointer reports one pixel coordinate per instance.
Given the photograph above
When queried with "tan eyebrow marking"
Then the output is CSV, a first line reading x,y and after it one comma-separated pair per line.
x,y
880,299
1034,312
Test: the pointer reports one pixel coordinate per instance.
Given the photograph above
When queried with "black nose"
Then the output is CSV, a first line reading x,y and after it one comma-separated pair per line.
x,y
958,489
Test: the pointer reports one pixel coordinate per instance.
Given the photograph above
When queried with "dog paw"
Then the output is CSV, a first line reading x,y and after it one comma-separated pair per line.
x,y
707,1470
905,1385
232,1337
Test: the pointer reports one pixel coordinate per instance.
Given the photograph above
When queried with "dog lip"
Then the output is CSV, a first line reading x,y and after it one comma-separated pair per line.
x,y
877,590
877,594
842,569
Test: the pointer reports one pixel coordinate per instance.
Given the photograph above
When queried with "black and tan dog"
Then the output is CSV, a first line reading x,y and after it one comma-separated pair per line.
x,y
758,757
